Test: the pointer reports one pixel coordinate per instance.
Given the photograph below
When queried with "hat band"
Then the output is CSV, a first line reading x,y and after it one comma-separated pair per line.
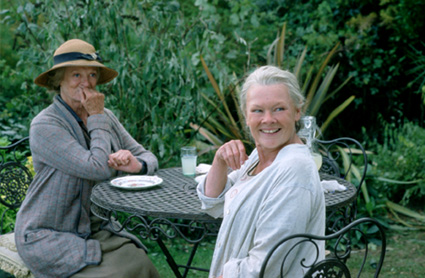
x,y
72,56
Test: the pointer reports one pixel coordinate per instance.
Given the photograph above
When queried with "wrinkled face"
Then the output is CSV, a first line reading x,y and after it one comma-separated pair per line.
x,y
74,80
271,116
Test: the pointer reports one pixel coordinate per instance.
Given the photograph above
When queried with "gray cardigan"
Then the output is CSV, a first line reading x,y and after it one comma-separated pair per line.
x,y
53,224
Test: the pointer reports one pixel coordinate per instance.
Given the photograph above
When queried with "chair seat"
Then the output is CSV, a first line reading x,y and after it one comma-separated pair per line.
x,y
10,261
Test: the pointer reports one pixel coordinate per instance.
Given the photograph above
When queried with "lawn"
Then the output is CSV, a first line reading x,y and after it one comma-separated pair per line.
x,y
405,257
181,252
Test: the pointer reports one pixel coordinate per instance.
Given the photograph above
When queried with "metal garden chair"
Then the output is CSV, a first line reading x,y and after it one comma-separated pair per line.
x,y
335,263
345,158
14,181
14,178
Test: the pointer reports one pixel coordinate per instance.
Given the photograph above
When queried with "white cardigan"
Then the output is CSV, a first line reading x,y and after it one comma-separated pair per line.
x,y
284,199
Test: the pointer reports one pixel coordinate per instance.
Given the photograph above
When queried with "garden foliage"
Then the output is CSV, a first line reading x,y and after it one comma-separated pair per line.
x,y
150,43
162,87
156,48
396,177
399,164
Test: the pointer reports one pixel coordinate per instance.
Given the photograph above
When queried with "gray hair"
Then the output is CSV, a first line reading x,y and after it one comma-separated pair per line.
x,y
271,75
54,79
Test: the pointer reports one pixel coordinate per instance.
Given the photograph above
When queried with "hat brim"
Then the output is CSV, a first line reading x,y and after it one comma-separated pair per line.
x,y
106,74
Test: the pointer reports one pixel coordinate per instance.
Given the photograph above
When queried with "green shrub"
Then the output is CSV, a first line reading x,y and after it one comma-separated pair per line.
x,y
8,220
398,164
156,48
149,43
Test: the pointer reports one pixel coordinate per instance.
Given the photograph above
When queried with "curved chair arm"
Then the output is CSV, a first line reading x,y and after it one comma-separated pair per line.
x,y
333,264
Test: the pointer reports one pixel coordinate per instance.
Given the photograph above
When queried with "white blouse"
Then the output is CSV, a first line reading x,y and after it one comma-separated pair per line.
x,y
284,199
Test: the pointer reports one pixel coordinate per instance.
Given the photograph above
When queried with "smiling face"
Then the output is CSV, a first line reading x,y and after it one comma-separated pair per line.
x,y
74,80
271,116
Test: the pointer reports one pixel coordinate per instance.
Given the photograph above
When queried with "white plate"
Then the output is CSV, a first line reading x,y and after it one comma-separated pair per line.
x,y
136,182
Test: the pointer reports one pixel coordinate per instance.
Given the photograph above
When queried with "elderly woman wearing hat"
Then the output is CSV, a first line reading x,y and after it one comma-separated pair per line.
x,y
74,143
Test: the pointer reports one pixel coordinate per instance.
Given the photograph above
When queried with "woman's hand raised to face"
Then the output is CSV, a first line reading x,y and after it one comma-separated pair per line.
x,y
232,153
93,101
124,160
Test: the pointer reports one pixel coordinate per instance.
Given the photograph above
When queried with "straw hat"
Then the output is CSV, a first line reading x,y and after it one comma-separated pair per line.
x,y
77,53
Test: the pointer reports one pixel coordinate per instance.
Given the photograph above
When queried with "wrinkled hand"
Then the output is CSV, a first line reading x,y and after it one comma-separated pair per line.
x,y
232,153
92,101
124,160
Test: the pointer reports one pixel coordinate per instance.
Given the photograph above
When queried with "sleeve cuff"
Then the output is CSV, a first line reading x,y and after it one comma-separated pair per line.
x,y
144,169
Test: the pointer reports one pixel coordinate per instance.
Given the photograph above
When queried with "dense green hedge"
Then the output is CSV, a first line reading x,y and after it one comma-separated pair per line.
x,y
155,94
398,168
156,48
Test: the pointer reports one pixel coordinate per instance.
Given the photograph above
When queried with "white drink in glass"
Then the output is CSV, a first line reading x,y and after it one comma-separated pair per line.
x,y
189,165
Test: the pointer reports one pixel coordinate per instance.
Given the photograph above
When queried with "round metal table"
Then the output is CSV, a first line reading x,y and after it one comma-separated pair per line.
x,y
173,209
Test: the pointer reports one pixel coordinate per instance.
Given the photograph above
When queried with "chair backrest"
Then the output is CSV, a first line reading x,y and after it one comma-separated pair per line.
x,y
340,247
14,178
338,158
345,158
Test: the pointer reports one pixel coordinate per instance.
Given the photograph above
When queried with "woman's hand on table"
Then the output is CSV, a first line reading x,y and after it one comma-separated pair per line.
x,y
124,160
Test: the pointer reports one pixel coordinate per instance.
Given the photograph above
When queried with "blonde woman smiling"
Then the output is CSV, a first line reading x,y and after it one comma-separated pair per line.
x,y
272,193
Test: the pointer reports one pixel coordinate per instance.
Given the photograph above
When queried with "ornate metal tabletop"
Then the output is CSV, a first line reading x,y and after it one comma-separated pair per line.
x,y
175,197
338,199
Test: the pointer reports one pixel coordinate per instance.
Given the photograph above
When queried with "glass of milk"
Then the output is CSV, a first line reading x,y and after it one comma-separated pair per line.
x,y
188,155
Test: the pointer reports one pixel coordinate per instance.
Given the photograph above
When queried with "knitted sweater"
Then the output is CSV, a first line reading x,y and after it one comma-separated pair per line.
x,y
53,224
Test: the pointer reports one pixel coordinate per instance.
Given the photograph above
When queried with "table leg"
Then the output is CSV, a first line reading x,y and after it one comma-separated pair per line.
x,y
174,266
170,260
189,262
